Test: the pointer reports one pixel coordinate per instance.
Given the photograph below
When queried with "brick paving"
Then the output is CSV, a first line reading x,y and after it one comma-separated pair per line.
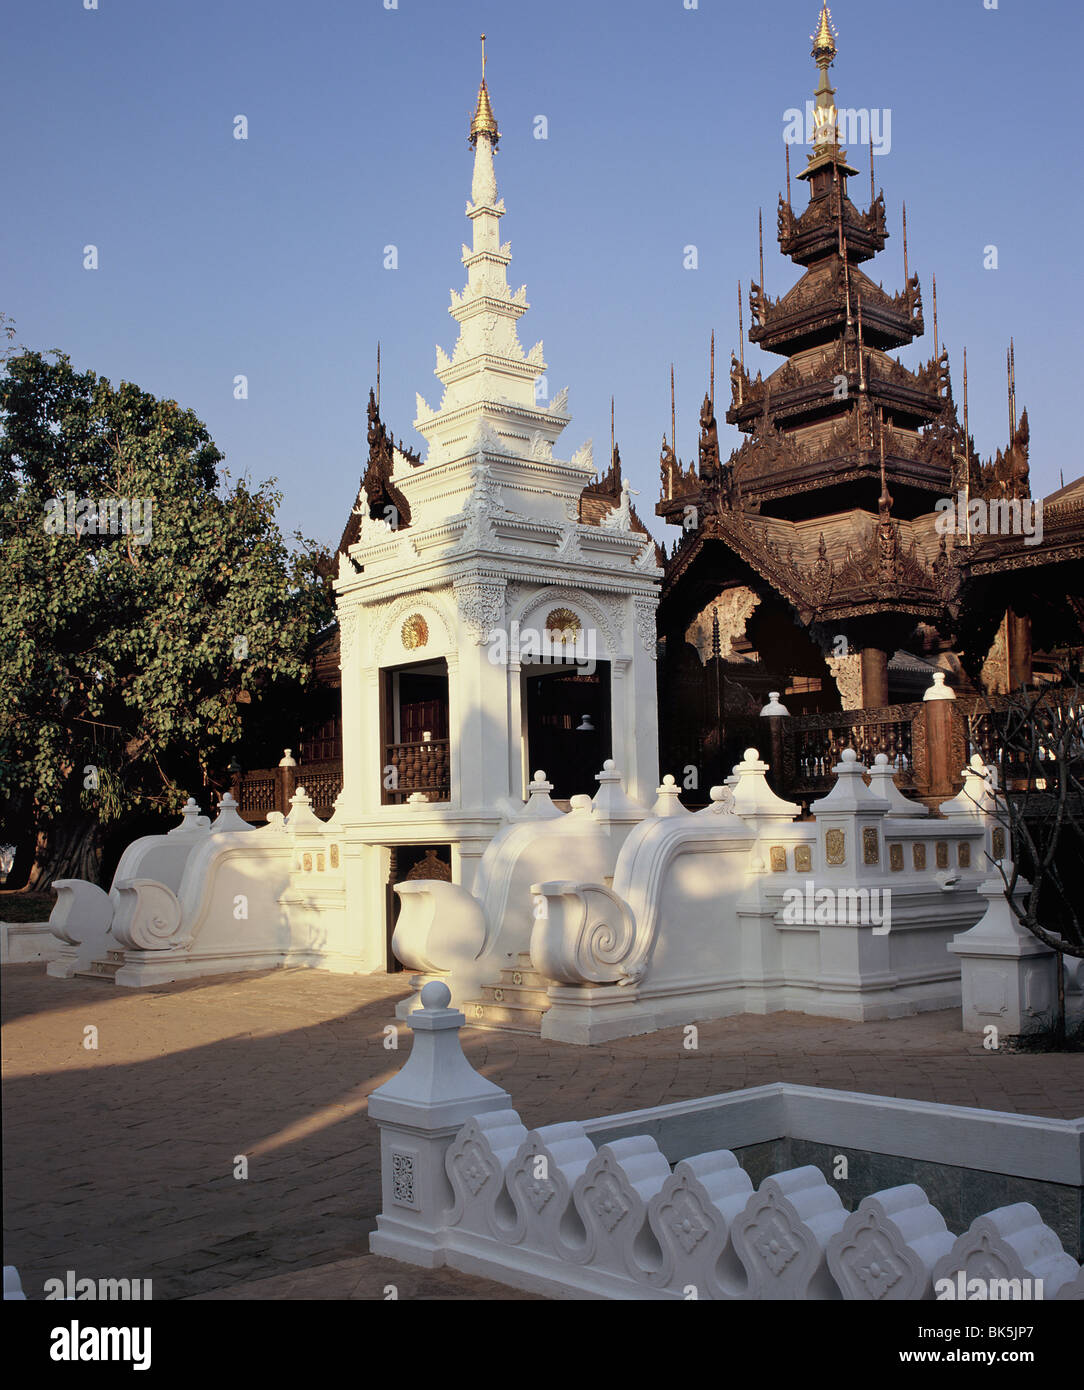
x,y
119,1161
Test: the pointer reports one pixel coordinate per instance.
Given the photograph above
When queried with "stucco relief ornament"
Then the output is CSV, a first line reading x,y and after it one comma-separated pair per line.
x,y
346,567
607,1201
539,1191
540,449
687,1221
372,528
773,1243
620,519
584,457
559,404
485,440
481,607
479,510
348,629
645,626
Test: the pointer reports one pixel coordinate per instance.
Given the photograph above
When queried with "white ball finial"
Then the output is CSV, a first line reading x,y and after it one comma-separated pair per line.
x,y
608,765
849,756
751,755
668,780
435,995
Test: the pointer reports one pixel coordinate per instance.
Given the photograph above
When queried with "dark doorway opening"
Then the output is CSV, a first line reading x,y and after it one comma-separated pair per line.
x,y
568,726
414,738
410,862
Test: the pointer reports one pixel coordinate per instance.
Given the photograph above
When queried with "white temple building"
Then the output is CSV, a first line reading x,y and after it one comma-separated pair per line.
x,y
460,607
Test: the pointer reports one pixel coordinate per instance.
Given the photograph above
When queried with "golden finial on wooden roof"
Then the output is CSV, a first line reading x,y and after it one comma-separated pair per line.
x,y
484,122
824,40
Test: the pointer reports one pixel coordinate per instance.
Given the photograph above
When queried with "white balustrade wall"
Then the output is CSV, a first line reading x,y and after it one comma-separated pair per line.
x,y
549,1211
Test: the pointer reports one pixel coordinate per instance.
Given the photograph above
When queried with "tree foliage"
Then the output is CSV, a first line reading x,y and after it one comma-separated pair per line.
x,y
127,657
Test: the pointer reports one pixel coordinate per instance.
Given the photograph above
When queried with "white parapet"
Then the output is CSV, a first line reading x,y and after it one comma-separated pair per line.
x,y
573,1211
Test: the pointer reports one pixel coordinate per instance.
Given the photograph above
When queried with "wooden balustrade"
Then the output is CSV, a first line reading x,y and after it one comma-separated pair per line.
x,y
267,789
416,767
812,745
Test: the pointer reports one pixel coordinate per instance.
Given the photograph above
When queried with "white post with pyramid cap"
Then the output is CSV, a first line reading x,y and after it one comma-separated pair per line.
x,y
850,825
420,1111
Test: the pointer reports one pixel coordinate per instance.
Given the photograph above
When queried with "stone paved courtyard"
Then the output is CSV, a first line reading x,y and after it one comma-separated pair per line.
x,y
119,1161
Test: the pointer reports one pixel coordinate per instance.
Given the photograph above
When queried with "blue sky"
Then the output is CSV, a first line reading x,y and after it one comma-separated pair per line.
x,y
265,257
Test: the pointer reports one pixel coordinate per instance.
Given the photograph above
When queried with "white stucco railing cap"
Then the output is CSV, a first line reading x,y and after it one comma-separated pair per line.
x,y
437,1086
753,796
850,794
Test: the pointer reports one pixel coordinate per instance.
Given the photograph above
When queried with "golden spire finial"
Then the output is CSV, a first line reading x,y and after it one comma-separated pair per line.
x,y
484,122
824,40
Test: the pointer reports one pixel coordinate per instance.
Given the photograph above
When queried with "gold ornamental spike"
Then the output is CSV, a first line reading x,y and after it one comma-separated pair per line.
x,y
824,40
484,122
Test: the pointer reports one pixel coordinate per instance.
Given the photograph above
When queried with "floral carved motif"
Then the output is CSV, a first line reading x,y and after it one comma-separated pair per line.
x,y
607,1202
481,607
645,625
402,1178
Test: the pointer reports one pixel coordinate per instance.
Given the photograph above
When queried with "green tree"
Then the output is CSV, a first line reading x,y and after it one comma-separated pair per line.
x,y
128,648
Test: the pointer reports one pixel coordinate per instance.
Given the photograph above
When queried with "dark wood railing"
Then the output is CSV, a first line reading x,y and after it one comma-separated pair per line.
x,y
812,745
267,789
416,767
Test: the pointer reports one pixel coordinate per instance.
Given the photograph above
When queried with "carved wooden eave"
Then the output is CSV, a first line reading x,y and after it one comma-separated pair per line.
x,y
817,305
816,231
823,590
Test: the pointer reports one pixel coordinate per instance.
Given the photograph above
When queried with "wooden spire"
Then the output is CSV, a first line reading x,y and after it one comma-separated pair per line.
x,y
673,414
872,187
906,275
760,230
711,376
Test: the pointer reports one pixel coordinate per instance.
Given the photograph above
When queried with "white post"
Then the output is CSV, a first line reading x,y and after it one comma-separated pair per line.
x,y
420,1111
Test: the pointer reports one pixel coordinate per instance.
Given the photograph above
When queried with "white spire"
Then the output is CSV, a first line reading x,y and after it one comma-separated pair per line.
x,y
489,380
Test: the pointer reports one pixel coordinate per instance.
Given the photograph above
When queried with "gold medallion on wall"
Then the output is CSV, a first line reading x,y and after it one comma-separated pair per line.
x,y
562,620
415,632
835,846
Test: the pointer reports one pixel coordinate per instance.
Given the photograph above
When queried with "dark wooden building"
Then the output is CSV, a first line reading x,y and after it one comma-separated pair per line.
x,y
821,559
